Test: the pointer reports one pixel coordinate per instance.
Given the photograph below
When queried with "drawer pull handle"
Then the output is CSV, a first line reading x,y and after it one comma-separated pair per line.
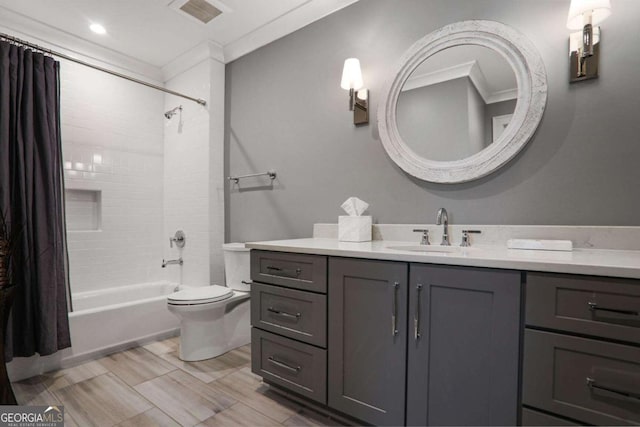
x,y
284,314
594,307
394,310
416,318
284,272
625,394
283,365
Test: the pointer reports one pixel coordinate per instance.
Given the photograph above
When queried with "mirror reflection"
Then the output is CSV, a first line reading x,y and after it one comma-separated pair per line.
x,y
456,103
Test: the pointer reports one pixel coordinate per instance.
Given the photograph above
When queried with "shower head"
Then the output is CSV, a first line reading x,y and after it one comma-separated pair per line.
x,y
173,112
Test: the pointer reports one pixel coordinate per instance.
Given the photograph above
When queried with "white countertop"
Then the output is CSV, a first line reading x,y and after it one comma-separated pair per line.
x,y
598,262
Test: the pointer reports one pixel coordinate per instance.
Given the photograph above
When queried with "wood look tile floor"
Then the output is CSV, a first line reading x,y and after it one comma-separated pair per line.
x,y
151,386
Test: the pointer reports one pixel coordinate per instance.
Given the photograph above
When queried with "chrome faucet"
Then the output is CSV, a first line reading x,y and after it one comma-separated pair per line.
x,y
443,219
425,236
466,242
178,261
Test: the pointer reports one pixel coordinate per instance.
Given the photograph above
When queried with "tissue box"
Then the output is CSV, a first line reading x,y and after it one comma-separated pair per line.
x,y
354,228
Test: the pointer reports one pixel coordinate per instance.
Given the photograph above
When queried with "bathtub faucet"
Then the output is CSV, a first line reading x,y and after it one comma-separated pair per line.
x,y
178,261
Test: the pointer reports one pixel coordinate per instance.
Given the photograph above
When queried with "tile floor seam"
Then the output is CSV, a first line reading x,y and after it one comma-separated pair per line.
x,y
101,375
260,412
204,384
159,409
252,406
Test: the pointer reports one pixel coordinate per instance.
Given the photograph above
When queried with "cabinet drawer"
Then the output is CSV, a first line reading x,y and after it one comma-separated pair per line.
x,y
535,418
295,366
306,272
289,312
603,307
583,379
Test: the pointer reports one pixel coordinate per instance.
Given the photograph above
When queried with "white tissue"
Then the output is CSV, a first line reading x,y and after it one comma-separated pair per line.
x,y
354,206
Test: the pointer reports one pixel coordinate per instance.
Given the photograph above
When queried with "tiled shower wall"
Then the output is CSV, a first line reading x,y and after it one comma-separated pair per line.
x,y
194,183
112,136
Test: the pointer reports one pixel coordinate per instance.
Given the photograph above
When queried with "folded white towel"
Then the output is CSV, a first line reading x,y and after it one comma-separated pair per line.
x,y
540,245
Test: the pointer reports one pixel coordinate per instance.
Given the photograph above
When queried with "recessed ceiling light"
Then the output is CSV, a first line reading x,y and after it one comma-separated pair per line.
x,y
97,28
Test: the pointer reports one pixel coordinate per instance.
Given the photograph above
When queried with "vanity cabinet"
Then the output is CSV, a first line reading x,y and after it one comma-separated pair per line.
x,y
582,348
289,319
368,339
423,344
464,346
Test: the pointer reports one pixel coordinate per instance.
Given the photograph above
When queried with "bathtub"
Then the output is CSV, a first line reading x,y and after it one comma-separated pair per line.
x,y
104,322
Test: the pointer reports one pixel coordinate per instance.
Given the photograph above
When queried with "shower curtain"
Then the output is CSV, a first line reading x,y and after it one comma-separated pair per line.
x,y
32,197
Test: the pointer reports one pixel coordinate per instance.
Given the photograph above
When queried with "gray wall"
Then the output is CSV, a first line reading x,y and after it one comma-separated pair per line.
x,y
285,110
435,120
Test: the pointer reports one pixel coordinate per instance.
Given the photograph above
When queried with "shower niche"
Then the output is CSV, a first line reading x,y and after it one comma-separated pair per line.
x,y
83,210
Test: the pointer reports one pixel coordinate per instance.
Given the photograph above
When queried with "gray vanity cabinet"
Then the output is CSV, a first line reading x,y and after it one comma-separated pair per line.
x,y
464,346
582,348
367,339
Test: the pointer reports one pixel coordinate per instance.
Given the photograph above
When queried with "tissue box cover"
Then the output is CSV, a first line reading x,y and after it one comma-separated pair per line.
x,y
354,228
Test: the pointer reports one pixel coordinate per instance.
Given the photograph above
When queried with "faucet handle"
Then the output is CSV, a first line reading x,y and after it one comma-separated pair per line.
x,y
465,237
179,238
425,235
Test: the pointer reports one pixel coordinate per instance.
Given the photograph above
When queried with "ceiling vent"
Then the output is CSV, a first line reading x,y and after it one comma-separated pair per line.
x,y
202,10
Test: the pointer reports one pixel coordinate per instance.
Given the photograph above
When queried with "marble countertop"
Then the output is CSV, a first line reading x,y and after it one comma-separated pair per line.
x,y
598,262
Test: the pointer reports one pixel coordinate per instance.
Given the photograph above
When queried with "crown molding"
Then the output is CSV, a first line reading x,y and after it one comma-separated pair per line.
x,y
303,15
439,76
192,57
40,33
503,95
468,69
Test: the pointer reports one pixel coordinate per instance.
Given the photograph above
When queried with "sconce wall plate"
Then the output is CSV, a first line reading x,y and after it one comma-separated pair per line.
x,y
361,107
583,68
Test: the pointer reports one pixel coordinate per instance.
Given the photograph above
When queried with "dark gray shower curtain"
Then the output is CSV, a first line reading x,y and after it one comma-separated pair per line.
x,y
32,196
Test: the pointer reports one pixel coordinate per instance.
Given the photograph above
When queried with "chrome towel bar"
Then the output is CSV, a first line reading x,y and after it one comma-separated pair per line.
x,y
236,179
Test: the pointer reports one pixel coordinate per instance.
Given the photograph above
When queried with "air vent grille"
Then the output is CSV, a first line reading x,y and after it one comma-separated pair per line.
x,y
202,10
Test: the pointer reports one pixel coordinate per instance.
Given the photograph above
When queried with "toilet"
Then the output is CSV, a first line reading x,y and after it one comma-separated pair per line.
x,y
215,319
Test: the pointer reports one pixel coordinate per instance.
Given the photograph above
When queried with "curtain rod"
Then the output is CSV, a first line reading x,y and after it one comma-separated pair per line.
x,y
95,67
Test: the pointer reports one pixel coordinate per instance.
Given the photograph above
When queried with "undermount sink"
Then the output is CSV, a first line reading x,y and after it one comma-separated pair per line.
x,y
425,248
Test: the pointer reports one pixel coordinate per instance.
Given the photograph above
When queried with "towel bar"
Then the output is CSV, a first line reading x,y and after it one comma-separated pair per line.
x,y
236,179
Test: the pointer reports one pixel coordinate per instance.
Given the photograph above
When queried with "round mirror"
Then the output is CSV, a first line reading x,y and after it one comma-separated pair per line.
x,y
457,102
463,101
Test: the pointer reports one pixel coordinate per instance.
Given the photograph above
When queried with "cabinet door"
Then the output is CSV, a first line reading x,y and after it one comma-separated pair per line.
x,y
367,339
464,346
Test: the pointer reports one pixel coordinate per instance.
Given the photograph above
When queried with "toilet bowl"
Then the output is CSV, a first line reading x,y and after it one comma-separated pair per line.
x,y
215,319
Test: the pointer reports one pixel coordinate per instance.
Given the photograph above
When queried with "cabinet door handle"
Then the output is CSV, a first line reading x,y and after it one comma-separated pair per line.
x,y
284,314
284,272
416,317
294,369
594,307
624,394
394,310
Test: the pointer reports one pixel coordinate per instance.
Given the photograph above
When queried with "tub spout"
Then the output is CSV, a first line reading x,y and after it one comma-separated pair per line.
x,y
178,261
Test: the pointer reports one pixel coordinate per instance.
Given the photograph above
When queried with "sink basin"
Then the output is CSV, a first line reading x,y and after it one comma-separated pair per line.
x,y
425,248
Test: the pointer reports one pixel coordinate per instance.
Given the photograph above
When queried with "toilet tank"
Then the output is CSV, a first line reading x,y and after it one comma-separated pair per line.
x,y
237,266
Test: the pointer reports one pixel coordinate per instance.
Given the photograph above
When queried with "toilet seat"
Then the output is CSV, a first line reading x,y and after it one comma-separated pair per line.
x,y
201,295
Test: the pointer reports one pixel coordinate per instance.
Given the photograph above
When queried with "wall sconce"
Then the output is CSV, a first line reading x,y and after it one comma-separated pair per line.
x,y
584,46
358,97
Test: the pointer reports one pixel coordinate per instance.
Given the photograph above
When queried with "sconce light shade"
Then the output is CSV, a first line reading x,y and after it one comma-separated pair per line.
x,y
351,75
600,10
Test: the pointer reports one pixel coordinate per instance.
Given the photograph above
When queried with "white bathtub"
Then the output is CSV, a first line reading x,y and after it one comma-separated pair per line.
x,y
106,321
